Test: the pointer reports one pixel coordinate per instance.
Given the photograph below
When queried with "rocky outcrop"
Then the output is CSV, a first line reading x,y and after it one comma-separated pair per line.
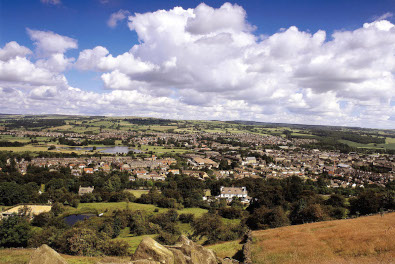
x,y
184,252
46,255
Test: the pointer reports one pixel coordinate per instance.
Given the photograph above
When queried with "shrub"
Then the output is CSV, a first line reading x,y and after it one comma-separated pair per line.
x,y
117,248
264,218
42,219
14,231
231,212
82,242
167,238
186,218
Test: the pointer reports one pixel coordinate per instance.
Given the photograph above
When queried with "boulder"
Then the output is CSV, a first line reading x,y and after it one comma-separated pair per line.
x,y
194,253
151,250
46,255
184,252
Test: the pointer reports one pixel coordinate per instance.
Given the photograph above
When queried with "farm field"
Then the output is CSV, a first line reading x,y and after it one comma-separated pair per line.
x,y
363,240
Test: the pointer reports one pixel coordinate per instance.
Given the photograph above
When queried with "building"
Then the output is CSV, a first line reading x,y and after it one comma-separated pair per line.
x,y
230,192
85,190
88,170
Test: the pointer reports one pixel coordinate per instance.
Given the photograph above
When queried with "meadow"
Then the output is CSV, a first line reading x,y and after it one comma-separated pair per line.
x,y
389,144
362,240
107,208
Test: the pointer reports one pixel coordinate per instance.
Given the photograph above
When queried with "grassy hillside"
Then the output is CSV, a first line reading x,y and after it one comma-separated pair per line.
x,y
362,240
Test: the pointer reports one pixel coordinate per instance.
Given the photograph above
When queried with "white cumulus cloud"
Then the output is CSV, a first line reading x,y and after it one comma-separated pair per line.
x,y
207,63
117,17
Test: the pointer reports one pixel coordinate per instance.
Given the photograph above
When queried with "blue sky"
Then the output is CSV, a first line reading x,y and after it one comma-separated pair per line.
x,y
86,20
254,71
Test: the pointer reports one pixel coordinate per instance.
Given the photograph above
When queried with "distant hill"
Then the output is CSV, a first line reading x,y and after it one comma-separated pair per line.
x,y
363,240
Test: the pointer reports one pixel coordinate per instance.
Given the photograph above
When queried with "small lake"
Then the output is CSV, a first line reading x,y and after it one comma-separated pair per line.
x,y
72,219
109,150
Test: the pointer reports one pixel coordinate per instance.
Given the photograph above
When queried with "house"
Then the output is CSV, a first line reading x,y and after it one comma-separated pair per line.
x,y
88,170
85,190
76,172
106,168
174,171
200,162
230,192
249,161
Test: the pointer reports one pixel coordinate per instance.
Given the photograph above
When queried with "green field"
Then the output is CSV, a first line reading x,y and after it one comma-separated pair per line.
x,y
138,193
107,208
161,150
226,249
389,144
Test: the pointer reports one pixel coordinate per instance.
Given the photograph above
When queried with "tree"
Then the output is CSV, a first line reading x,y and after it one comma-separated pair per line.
x,y
14,231
42,219
82,242
264,218
365,203
336,200
57,209
307,213
116,227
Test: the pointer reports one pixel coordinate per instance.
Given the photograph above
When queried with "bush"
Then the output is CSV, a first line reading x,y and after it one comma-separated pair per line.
x,y
231,212
336,200
43,236
82,242
14,231
57,209
186,218
117,248
42,219
337,212
264,218
122,196
140,224
307,213
213,229
367,202
167,238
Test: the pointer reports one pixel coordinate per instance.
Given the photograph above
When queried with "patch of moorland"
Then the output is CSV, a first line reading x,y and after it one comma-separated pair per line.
x,y
362,240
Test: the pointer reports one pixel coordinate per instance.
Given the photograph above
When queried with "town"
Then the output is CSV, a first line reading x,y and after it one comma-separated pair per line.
x,y
118,180
219,155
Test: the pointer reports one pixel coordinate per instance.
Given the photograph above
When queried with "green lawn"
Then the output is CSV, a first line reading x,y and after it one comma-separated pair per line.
x,y
226,249
107,208
138,193
133,241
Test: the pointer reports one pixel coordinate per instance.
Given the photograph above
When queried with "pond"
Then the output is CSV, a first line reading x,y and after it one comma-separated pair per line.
x,y
72,219
109,150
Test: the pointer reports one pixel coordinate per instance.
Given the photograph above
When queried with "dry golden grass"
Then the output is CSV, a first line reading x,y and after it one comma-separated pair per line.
x,y
368,239
35,209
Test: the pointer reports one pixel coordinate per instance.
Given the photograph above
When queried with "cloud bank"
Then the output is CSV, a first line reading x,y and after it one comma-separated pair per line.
x,y
207,63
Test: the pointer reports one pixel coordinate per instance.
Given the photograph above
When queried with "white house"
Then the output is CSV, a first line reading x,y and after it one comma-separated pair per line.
x,y
230,192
